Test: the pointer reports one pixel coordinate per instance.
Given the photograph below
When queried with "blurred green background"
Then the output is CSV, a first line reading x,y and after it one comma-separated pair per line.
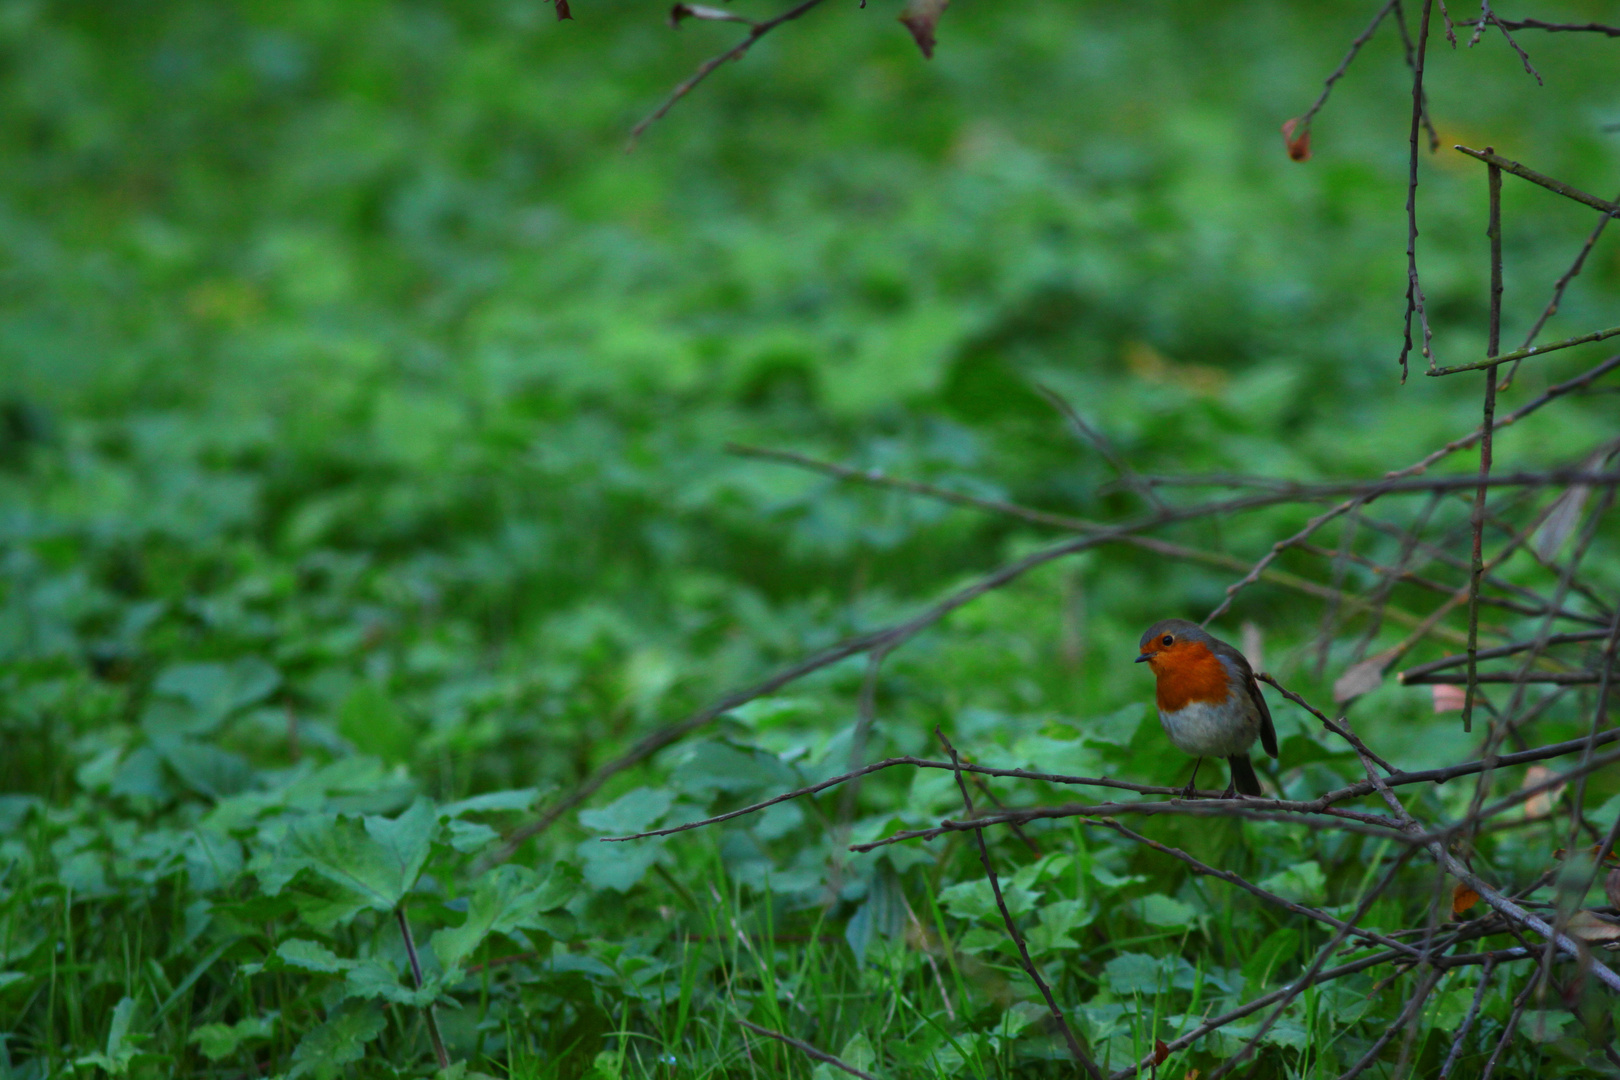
x,y
343,348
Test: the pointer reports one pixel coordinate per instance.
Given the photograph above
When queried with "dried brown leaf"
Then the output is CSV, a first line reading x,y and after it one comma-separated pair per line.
x,y
1361,678
1161,1050
1448,698
1541,803
1589,926
1611,887
1299,148
562,10
921,17
701,11
1462,898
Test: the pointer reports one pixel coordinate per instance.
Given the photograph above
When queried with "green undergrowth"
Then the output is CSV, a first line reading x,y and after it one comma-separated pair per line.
x,y
364,488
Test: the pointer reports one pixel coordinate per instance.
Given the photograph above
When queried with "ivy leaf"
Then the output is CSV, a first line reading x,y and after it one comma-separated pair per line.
x,y
340,1041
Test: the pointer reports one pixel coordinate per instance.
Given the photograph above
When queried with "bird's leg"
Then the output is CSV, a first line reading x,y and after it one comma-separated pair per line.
x,y
1191,792
1231,790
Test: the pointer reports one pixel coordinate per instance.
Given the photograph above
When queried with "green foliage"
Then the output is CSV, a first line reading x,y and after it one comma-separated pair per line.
x,y
362,488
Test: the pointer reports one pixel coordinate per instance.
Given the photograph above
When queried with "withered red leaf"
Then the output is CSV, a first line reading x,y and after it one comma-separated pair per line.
x,y
1299,147
562,9
1462,898
1161,1050
921,17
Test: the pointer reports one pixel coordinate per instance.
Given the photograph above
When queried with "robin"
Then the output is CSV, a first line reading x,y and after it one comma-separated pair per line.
x,y
1209,700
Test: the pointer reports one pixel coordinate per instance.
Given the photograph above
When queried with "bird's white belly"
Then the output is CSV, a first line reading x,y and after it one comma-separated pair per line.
x,y
1203,729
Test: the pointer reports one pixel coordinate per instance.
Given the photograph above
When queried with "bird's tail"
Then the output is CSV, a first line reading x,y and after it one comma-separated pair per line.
x,y
1243,777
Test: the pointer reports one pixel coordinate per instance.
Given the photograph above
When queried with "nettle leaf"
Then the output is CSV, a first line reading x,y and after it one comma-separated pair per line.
x,y
510,898
340,1041
369,979
369,862
370,720
219,1041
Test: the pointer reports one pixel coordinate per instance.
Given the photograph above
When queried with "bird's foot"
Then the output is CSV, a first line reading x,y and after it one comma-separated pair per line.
x,y
1230,792
1189,792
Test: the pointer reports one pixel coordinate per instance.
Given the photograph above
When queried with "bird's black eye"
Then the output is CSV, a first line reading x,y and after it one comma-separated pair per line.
x,y
1168,639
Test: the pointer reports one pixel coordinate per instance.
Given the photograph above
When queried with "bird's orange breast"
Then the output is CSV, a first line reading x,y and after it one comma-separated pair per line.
x,y
1187,673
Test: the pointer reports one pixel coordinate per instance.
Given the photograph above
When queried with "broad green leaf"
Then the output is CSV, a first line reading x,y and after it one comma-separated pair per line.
x,y
1160,910
1133,973
631,812
206,770
1303,883
211,693
373,862
507,899
371,721
340,1041
494,802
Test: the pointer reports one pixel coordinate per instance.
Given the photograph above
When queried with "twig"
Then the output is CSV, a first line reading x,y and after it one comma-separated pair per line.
x,y
1411,65
1304,122
439,1053
1344,733
755,32
1079,1054
1468,1020
1297,986
1414,1003
1558,293
1524,57
806,1049
1568,191
1414,289
1099,441
1508,1029
1575,28
1488,426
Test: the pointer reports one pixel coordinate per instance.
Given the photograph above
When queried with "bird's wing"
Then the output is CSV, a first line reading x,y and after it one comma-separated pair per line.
x,y
1268,732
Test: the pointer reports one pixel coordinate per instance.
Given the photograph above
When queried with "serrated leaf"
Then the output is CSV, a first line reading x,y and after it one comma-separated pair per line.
x,y
372,979
340,1041
219,1041
1160,910
312,956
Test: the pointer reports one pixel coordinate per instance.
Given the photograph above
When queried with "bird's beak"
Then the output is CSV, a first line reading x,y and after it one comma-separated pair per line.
x,y
1144,658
